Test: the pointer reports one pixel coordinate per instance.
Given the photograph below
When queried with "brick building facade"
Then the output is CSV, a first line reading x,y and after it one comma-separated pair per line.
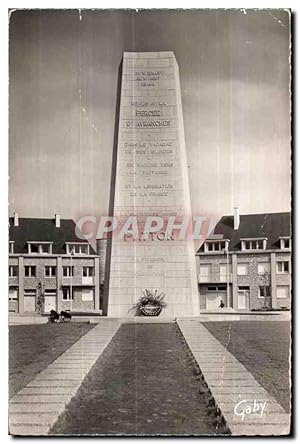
x,y
46,256
246,263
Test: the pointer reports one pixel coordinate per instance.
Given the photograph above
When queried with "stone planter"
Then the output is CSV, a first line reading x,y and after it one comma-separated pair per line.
x,y
150,310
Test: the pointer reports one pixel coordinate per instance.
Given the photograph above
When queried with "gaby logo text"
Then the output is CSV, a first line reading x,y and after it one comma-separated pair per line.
x,y
246,407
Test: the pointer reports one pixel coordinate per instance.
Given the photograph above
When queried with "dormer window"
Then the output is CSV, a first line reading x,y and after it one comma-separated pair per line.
x,y
254,244
215,246
285,243
39,247
11,247
77,248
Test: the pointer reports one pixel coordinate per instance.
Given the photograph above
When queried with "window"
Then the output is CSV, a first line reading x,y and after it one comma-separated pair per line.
x,y
66,294
282,291
50,271
11,247
205,270
13,294
30,270
87,295
33,248
215,246
30,292
13,271
242,269
216,288
223,272
253,244
78,248
283,267
244,288
204,273
68,271
264,291
45,248
50,292
40,247
87,271
284,243
263,268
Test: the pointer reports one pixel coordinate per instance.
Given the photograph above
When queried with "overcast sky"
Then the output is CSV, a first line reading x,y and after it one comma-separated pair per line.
x,y
234,72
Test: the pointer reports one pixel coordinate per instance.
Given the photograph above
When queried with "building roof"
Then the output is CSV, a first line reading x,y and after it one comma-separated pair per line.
x,y
43,230
268,225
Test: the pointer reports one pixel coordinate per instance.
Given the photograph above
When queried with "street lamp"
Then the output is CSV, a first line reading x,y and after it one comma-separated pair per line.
x,y
227,274
71,270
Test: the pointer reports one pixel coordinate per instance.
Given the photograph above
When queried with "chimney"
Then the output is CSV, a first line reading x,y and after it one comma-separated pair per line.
x,y
57,220
236,218
16,219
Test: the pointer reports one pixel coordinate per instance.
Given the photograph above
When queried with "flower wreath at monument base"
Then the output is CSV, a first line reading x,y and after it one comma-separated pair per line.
x,y
150,303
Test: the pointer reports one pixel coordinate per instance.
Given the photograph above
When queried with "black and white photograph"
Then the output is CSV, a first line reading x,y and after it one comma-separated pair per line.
x,y
150,222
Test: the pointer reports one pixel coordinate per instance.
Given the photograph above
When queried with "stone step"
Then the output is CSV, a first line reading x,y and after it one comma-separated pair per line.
x,y
65,371
59,377
47,391
227,366
32,418
227,408
238,375
213,356
28,430
52,383
56,399
255,389
257,430
37,408
86,357
86,351
71,358
233,383
267,419
234,398
69,366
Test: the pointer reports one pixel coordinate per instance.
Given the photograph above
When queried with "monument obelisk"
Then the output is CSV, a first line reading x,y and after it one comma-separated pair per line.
x,y
152,180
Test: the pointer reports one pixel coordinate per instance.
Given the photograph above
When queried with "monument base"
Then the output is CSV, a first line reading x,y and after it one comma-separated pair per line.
x,y
171,311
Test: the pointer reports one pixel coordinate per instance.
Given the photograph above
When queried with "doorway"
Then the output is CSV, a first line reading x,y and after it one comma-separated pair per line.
x,y
214,295
50,303
243,299
29,304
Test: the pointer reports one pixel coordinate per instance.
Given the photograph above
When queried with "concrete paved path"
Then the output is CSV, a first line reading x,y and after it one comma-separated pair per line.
x,y
232,386
34,409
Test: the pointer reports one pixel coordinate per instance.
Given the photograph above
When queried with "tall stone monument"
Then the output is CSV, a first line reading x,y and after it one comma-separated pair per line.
x,y
152,180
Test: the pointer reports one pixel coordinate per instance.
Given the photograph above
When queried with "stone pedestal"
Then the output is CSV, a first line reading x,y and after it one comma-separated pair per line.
x,y
152,180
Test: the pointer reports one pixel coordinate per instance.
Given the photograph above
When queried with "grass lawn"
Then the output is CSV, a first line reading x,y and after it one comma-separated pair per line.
x,y
263,348
33,347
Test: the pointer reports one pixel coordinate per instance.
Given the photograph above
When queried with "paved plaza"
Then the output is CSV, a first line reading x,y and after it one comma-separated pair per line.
x,y
152,377
144,384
